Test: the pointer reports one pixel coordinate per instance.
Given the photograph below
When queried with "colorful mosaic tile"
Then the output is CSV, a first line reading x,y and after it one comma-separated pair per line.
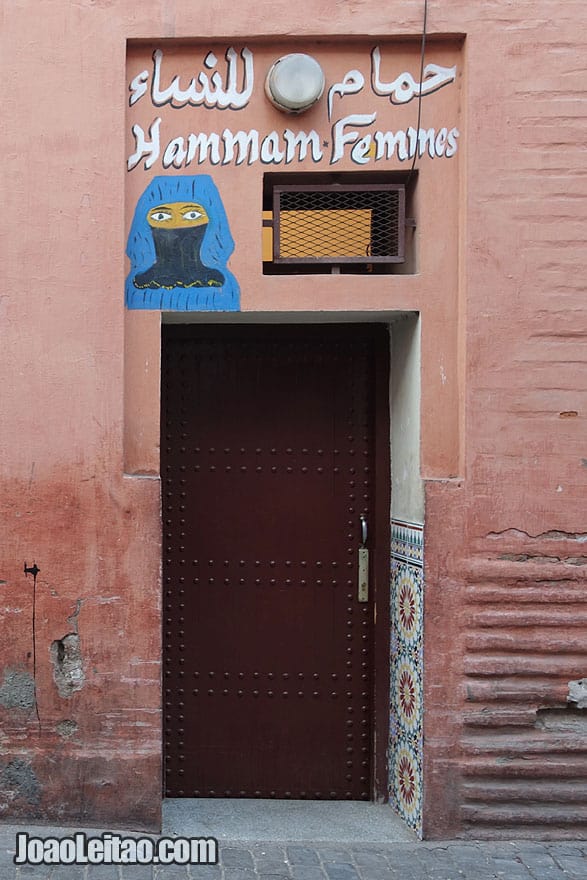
x,y
405,727
407,541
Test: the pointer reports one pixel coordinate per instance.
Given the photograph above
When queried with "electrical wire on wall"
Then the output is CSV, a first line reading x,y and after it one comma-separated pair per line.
x,y
422,57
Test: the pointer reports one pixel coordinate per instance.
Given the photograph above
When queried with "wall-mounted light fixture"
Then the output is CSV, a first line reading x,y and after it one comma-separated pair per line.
x,y
294,83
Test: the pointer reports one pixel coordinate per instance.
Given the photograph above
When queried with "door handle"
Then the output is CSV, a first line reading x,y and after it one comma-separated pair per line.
x,y
363,585
364,530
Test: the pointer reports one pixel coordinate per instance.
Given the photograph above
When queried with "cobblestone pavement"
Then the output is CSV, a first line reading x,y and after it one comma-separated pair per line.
x,y
446,860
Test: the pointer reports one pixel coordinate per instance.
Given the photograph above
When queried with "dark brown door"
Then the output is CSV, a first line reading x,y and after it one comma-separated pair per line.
x,y
268,460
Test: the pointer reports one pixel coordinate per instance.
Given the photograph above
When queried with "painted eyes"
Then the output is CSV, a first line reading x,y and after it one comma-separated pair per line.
x,y
176,215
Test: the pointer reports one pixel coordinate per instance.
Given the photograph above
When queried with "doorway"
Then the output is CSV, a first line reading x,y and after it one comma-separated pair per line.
x,y
274,451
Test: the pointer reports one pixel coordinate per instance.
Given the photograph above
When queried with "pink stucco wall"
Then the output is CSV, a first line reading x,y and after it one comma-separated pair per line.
x,y
503,405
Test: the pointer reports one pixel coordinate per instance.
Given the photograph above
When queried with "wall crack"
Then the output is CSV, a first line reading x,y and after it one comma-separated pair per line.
x,y
530,557
553,534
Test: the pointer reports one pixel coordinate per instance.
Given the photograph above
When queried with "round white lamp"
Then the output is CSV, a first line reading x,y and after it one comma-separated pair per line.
x,y
294,83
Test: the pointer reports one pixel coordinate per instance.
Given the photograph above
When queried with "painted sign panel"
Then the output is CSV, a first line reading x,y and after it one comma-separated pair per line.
x,y
204,108
353,135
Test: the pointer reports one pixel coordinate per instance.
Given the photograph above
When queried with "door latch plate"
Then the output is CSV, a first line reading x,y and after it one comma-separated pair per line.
x,y
363,593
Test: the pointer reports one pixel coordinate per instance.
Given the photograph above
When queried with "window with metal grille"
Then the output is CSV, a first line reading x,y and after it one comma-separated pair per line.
x,y
334,226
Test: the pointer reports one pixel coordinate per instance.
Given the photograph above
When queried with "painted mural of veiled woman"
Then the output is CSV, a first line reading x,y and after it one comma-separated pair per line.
x,y
179,244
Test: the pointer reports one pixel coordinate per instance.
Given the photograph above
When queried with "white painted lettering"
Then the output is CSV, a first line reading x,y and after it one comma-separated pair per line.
x,y
207,146
301,141
138,87
440,142
404,87
227,83
340,138
270,150
452,142
426,140
175,153
351,84
413,139
145,148
248,146
386,143
360,151
203,89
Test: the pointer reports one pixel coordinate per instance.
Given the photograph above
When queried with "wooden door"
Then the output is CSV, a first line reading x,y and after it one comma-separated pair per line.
x,y
268,461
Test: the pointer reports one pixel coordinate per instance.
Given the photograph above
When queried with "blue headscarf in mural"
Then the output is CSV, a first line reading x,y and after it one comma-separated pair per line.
x,y
179,244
